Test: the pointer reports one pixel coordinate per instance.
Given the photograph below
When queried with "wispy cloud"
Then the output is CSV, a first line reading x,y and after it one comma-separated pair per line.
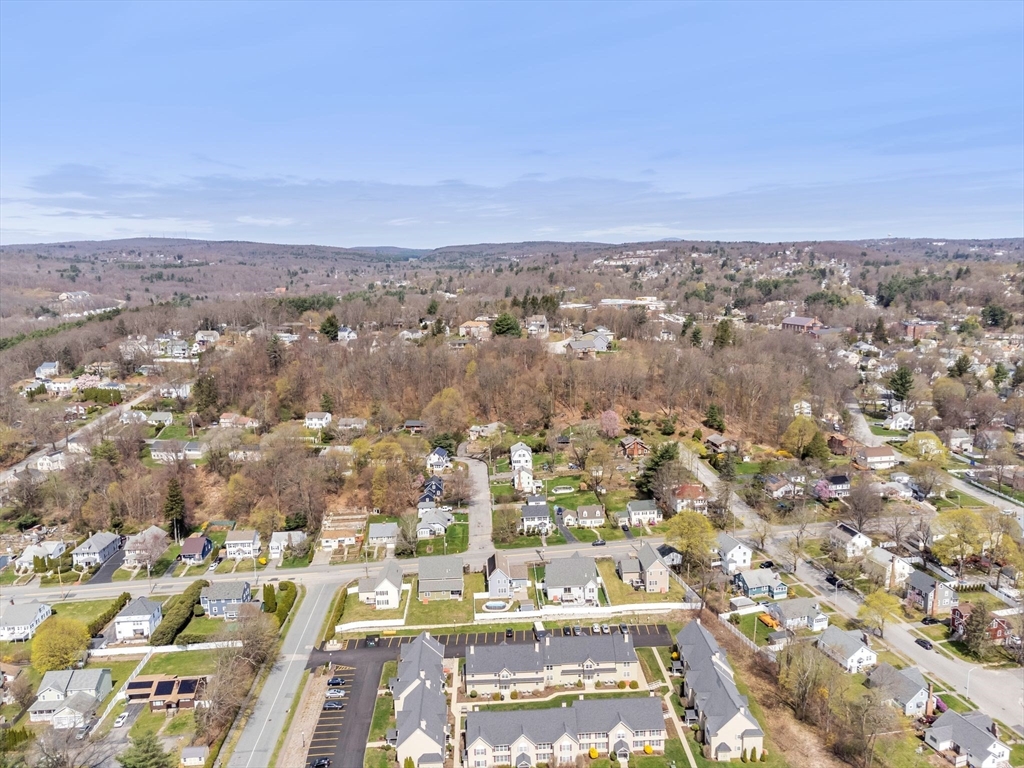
x,y
265,221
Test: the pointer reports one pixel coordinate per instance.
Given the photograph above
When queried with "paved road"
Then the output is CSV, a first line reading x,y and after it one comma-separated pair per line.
x,y
259,736
709,478
480,507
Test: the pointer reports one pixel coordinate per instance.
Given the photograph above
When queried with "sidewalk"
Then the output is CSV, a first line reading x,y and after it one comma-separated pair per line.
x,y
672,711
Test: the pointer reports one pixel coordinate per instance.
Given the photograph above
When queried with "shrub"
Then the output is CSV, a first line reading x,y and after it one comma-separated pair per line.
x,y
108,615
286,595
198,610
633,685
514,695
339,609
472,694
753,754
743,757
495,696
764,756
269,599
622,685
179,615
190,638
734,618
579,683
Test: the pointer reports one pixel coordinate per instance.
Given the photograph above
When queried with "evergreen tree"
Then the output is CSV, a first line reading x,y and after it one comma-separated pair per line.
x,y
326,403
275,354
269,599
999,375
432,307
976,629
507,325
817,449
174,509
145,752
961,367
204,393
329,327
901,382
1018,376
696,337
879,335
714,418
723,334
660,456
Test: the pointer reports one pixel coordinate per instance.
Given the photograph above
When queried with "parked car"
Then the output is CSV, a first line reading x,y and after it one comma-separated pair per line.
x,y
596,629
577,630
624,629
625,528
121,720
335,705
767,564
82,732
335,693
509,632
335,682
212,566
605,629
599,543
566,631
321,762
926,644
929,620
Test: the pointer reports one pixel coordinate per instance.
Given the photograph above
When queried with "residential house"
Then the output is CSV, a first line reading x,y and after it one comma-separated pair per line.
x,y
572,580
720,443
144,548
734,554
438,460
440,578
537,326
160,419
643,512
535,519
587,516
224,599
195,549
914,330
414,426
18,623
868,457
520,455
797,324
711,699
347,334
478,431
998,629
646,571
800,613
44,550
317,420
633,447
563,735
242,544
179,391
970,738
167,451
931,595
900,422
350,425
906,689
47,371
832,487
194,756
67,697
801,408
987,441
960,441
383,534
841,445
691,496
283,541
207,337
138,619
522,480
384,590
52,461
133,417
888,569
98,548
761,582
433,521
673,557
503,578
238,421
475,329
550,662
421,731
849,540
776,487
849,649
335,534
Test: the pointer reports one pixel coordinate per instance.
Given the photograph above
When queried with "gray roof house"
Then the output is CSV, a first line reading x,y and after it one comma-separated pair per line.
x,y
906,689
535,518
440,578
19,622
503,578
930,594
618,727
572,579
67,697
848,649
760,582
382,533
98,548
971,736
383,590
801,613
224,599
421,710
712,699
138,619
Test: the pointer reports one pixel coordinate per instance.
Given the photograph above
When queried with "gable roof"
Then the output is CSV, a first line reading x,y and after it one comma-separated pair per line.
x,y
649,558
845,644
20,615
796,608
572,571
140,606
520,446
727,543
903,685
225,590
242,536
446,570
554,650
98,542
970,731
642,505
760,577
194,545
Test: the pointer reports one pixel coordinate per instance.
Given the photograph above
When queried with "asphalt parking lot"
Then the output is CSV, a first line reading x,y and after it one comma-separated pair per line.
x,y
341,734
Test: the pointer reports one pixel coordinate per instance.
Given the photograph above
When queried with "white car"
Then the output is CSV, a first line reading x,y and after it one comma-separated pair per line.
x,y
596,629
335,693
121,720
605,629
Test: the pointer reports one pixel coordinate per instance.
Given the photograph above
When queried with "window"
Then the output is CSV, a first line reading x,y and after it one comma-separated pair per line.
x,y
480,751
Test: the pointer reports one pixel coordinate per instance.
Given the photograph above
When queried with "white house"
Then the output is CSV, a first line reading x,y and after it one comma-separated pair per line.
x,y
522,480
138,619
346,334
848,649
849,540
98,548
242,544
384,590
890,570
317,420
587,516
438,460
971,737
734,553
54,461
160,418
906,689
643,513
281,541
801,613
46,549
145,547
572,580
900,422
881,457
382,533
68,696
133,417
47,371
19,622
801,408
521,456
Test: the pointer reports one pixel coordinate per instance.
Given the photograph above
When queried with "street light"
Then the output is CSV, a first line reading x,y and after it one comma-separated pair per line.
x,y
969,671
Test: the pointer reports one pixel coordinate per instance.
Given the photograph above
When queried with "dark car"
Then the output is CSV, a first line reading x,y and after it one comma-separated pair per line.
x,y
577,630
624,629
510,632
566,631
926,644
333,705
834,580
599,543
372,641
335,682
929,620
321,762
625,528
767,564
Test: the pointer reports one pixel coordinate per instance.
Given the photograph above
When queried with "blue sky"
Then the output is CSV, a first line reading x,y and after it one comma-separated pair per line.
x,y
427,124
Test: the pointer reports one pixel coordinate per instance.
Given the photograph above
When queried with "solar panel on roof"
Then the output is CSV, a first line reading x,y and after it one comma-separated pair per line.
x,y
164,688
140,684
188,686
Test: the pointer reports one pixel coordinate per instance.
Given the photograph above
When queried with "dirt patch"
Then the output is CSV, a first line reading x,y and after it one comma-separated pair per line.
x,y
800,744
293,753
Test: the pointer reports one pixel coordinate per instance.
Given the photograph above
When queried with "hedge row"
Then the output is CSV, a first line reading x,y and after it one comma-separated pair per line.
x,y
336,614
178,616
102,395
108,615
286,594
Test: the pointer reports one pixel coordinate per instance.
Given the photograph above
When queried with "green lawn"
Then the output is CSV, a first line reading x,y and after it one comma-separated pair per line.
x,y
1017,754
384,710
246,565
147,722
883,432
163,562
991,655
753,629
652,671
379,758
84,611
585,535
119,671
205,625
294,562
955,703
620,592
457,538
217,537
957,499
181,663
746,467
8,576
123,574
176,432
446,611
357,611
226,567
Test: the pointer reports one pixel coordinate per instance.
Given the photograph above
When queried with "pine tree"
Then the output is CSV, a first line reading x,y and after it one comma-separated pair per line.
x,y
326,403
269,599
432,307
145,752
696,337
976,629
174,509
507,325
817,449
329,327
714,418
274,354
879,335
961,367
901,382
723,334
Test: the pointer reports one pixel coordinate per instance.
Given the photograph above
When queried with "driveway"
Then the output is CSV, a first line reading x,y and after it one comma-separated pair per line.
x,y
747,516
569,538
116,740
106,572
480,506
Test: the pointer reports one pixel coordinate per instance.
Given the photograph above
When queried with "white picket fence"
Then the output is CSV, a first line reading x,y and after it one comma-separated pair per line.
x,y
106,653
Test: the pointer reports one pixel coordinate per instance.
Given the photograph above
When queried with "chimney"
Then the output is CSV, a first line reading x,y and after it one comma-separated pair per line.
x,y
866,638
929,706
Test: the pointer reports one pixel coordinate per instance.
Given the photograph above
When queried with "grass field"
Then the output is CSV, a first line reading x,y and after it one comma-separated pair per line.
x,y
456,539
620,593
652,672
357,611
204,625
384,710
181,663
119,671
84,611
446,611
